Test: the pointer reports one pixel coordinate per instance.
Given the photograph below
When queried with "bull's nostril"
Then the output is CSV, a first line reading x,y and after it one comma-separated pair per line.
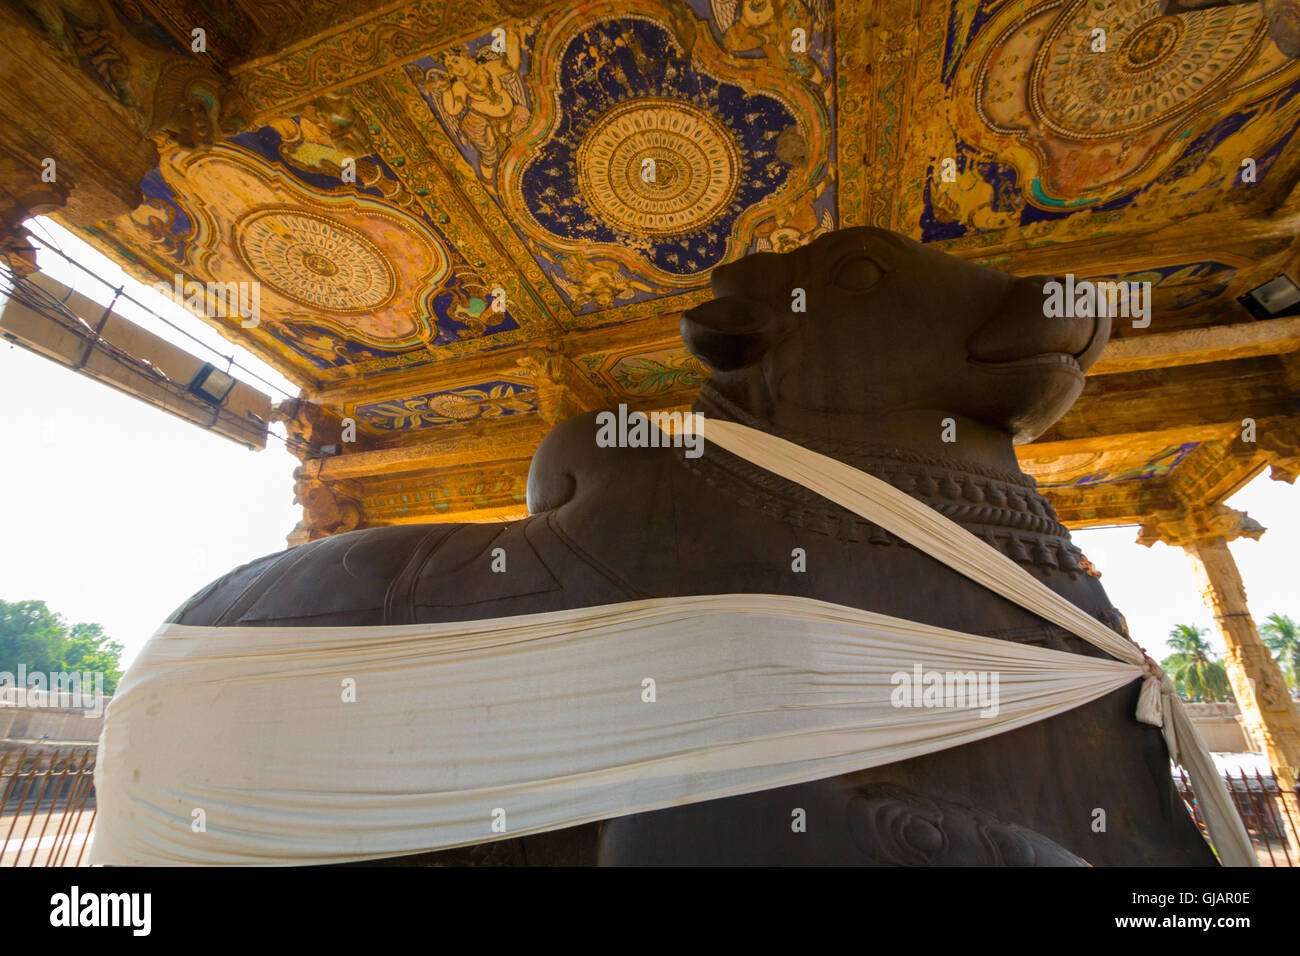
x,y
858,274
1022,327
1096,343
1092,337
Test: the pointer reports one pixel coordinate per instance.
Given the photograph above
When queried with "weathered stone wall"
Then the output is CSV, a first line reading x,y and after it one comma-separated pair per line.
x,y
1219,724
60,723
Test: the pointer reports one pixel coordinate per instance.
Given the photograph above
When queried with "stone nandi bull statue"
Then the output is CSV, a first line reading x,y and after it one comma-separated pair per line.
x,y
895,339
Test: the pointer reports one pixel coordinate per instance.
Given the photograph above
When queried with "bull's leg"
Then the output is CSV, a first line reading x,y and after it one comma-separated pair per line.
x,y
827,823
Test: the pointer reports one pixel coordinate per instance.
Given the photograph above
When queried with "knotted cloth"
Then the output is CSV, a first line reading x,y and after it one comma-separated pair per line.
x,y
945,540
284,745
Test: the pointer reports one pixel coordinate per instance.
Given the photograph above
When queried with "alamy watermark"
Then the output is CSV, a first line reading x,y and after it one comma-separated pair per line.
x,y
954,689
1089,299
53,689
656,430
75,908
218,300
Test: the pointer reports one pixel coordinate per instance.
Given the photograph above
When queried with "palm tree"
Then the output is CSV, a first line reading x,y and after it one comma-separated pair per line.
x,y
1281,635
1195,672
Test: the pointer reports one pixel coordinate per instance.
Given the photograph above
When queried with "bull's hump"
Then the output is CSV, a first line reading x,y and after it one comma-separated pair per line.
x,y
407,574
339,580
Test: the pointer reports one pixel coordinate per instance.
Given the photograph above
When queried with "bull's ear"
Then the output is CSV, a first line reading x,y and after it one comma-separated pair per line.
x,y
729,333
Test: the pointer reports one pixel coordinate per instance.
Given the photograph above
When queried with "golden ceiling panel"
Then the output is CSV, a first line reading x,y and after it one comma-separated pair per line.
x,y
1107,466
559,177
353,280
1067,120
583,167
633,146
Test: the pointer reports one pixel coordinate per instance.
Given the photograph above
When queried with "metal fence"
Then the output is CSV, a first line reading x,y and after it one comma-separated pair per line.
x,y
1263,808
47,807
47,804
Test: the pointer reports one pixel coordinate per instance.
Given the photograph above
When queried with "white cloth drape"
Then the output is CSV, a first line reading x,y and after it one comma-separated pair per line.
x,y
328,744
541,716
947,541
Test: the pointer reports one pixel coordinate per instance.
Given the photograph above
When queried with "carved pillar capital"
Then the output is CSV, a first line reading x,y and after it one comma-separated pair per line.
x,y
1191,526
327,507
313,426
563,390
173,97
1279,441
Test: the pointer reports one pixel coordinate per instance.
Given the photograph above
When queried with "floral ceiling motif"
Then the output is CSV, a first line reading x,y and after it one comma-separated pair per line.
x,y
318,262
1154,68
593,161
355,277
1067,109
1104,468
488,400
635,146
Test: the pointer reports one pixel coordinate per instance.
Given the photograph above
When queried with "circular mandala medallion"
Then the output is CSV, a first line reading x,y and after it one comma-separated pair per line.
x,y
1153,68
451,405
1062,469
314,260
1150,44
655,167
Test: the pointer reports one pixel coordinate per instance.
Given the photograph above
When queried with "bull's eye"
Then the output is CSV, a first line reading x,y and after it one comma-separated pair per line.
x,y
858,274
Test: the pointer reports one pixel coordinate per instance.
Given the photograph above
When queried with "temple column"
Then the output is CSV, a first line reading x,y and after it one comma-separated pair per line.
x,y
1269,713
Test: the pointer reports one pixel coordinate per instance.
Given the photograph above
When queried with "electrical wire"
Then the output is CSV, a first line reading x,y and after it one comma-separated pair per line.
x,y
230,360
29,294
49,238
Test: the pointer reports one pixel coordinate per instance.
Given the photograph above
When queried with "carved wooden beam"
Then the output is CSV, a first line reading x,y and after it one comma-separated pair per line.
x,y
1115,503
657,331
1168,400
310,61
1197,346
489,492
449,446
67,144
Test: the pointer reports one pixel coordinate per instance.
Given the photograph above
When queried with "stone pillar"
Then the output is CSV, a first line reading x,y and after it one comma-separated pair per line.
x,y
1268,712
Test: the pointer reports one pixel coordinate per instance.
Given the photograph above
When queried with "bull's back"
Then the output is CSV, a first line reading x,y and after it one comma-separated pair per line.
x,y
1046,780
407,574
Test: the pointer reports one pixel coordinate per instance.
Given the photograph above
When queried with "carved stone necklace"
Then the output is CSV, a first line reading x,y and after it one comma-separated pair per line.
x,y
1002,508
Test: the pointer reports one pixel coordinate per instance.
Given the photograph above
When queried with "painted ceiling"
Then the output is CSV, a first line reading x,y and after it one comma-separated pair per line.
x,y
562,173
1105,467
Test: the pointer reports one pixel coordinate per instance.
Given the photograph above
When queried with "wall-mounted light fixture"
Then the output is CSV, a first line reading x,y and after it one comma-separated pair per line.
x,y
1277,297
211,384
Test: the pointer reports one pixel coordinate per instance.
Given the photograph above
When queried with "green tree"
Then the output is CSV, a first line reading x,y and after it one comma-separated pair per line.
x,y
31,634
34,636
1281,635
1193,668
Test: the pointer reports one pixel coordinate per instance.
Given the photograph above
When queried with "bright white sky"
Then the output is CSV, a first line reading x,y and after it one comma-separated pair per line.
x,y
117,512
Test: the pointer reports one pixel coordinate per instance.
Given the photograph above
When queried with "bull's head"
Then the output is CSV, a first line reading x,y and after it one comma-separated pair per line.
x,y
889,327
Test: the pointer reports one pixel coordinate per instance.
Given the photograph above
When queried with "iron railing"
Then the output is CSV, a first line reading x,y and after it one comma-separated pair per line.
x,y
47,807
47,804
1265,810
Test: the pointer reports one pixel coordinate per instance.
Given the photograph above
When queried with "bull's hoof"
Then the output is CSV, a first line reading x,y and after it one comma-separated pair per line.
x,y
892,826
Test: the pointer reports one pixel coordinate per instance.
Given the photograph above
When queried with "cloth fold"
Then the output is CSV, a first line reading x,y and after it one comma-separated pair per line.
x,y
924,528
328,744
284,745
